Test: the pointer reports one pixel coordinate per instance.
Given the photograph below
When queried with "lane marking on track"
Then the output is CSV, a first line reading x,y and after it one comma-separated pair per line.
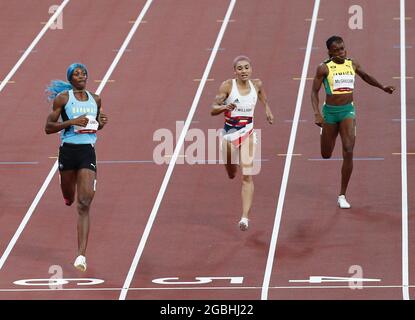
x,y
300,120
406,77
31,47
211,49
408,153
58,281
126,50
288,159
48,179
171,155
408,119
176,152
198,80
310,19
19,162
92,289
133,21
32,51
399,18
109,80
293,154
321,279
354,158
299,79
124,161
220,161
199,280
230,20
398,46
404,173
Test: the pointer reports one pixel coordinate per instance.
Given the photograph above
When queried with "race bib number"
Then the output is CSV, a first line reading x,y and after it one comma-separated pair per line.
x,y
91,127
343,82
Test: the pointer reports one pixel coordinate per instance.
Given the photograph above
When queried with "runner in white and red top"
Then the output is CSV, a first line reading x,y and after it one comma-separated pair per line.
x,y
239,123
237,99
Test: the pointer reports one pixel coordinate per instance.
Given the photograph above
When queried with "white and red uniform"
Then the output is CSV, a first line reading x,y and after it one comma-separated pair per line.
x,y
239,123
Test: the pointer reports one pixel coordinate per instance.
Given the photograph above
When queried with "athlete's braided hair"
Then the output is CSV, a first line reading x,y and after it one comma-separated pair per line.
x,y
57,86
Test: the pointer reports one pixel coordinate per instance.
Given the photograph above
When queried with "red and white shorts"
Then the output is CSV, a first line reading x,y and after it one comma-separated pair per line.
x,y
237,137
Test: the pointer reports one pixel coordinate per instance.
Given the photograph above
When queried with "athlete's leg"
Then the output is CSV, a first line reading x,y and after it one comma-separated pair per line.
x,y
247,152
328,137
68,183
229,154
348,136
85,194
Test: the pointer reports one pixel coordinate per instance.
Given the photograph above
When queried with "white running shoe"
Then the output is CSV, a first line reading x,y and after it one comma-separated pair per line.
x,y
243,224
342,202
80,263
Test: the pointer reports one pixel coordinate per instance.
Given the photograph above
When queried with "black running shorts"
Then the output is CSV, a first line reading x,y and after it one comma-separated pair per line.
x,y
77,156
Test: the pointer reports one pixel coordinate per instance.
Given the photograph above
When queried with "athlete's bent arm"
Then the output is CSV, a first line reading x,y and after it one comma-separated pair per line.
x,y
52,124
101,117
371,80
321,73
262,96
219,105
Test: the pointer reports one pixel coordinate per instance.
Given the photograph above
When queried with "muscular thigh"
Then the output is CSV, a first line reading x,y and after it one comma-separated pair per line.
x,y
348,132
68,177
247,151
86,183
229,153
329,133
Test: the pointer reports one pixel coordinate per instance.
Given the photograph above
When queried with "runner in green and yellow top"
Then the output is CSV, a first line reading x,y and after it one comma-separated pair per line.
x,y
338,76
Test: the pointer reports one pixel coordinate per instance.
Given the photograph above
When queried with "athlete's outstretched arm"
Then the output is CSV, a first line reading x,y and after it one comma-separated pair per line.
x,y
219,104
262,96
321,73
52,124
371,80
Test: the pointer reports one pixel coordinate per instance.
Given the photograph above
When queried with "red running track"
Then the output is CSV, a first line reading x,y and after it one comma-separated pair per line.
x,y
195,231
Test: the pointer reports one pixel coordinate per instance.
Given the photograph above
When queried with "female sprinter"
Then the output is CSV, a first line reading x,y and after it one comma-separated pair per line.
x,y
338,76
80,114
237,99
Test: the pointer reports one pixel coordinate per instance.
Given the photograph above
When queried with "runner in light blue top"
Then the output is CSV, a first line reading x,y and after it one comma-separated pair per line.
x,y
80,112
75,108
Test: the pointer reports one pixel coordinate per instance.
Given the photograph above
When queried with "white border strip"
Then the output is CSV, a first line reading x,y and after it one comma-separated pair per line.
x,y
290,151
32,45
405,259
172,163
55,166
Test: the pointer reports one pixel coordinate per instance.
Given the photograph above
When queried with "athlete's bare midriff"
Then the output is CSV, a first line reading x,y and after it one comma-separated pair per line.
x,y
339,99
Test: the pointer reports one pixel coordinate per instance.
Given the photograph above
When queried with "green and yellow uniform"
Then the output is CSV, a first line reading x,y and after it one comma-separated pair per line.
x,y
340,80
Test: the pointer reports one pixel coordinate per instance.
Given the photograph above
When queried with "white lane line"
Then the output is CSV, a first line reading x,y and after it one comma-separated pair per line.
x,y
405,258
124,46
55,165
27,216
284,182
172,163
33,44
